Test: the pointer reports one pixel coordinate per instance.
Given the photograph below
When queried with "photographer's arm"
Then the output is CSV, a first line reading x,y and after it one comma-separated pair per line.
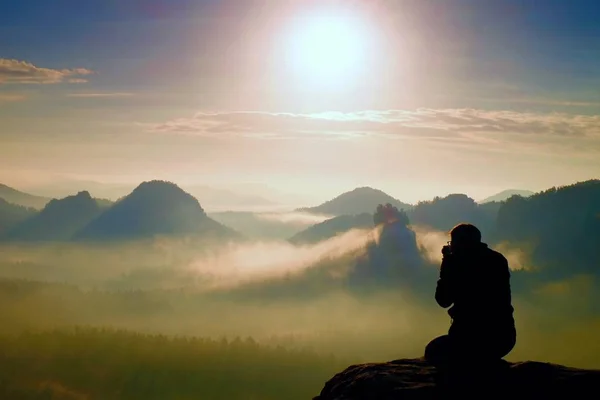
x,y
444,290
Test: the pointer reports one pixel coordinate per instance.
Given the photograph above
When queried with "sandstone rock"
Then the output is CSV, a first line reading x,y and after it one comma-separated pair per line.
x,y
416,379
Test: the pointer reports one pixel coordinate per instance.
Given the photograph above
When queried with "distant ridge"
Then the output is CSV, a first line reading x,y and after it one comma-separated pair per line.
x,y
154,208
13,214
59,220
331,227
15,196
506,194
358,201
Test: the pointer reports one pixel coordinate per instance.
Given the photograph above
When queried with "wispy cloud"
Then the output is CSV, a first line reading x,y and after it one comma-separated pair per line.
x,y
419,123
95,95
23,72
541,101
296,218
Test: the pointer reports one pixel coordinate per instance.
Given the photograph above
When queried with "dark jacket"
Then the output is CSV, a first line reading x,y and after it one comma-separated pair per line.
x,y
477,286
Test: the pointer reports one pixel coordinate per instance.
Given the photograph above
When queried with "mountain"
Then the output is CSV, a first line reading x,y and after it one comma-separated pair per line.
x,y
506,194
59,220
213,198
15,196
358,201
12,215
332,227
443,213
154,208
560,227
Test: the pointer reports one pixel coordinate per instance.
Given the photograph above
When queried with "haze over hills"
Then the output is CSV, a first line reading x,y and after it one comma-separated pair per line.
x,y
357,201
265,225
285,197
154,208
443,213
66,187
553,227
158,207
304,225
371,285
213,198
440,213
332,227
506,194
13,214
218,199
561,226
498,224
59,220
15,196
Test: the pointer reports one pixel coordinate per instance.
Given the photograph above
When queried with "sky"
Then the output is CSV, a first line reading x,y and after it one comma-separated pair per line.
x,y
416,98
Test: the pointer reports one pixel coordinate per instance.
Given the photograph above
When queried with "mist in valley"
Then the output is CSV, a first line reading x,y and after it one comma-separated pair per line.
x,y
298,296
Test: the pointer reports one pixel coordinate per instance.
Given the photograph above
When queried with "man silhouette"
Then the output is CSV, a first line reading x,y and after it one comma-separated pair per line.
x,y
475,281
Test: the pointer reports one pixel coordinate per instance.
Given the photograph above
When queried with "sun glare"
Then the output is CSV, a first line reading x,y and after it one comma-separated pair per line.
x,y
328,49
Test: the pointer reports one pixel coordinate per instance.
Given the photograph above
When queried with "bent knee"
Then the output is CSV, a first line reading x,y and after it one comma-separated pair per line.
x,y
438,348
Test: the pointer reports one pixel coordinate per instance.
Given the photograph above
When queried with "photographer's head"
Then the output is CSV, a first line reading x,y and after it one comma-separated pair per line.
x,y
464,237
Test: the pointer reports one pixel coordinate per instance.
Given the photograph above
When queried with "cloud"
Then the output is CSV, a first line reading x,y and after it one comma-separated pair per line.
x,y
23,72
296,218
95,95
239,264
544,102
423,123
431,241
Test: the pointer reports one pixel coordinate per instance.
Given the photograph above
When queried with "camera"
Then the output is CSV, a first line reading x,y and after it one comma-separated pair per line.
x,y
446,250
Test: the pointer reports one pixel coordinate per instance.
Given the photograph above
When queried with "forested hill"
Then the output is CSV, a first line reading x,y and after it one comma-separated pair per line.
x,y
561,226
358,201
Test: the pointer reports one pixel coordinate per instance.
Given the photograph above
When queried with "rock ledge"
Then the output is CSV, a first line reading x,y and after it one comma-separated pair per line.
x,y
416,379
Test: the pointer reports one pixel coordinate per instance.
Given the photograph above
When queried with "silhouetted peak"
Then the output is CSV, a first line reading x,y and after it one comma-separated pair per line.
x,y
366,190
156,187
154,208
84,194
452,198
82,198
416,379
156,184
458,197
357,201
162,193
59,219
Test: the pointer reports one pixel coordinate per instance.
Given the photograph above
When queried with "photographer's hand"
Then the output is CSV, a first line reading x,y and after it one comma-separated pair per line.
x,y
446,266
444,290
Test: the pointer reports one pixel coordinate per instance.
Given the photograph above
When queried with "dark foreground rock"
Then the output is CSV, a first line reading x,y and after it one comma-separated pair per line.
x,y
416,379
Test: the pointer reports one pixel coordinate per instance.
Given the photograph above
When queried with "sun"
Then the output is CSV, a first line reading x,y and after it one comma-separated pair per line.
x,y
328,48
